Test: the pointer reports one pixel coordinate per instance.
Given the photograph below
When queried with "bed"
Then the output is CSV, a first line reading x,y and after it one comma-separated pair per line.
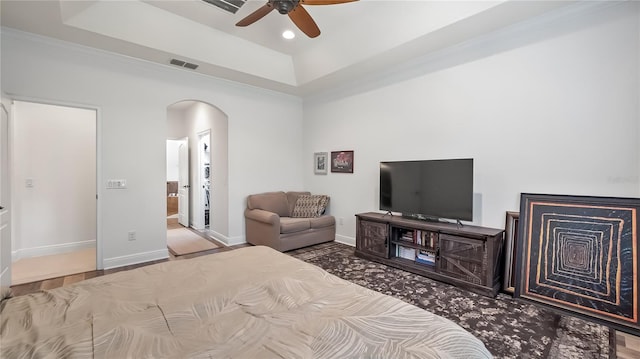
x,y
252,302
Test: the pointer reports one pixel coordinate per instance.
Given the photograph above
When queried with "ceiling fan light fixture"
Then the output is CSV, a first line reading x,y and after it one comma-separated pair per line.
x,y
296,12
285,6
288,34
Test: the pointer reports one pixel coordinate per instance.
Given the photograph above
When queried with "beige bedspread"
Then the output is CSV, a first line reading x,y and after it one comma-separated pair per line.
x,y
247,303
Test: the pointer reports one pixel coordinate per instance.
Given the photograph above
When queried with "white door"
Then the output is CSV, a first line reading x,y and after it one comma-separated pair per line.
x,y
183,183
5,218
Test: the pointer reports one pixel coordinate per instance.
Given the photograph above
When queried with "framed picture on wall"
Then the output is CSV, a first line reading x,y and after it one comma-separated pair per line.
x,y
342,161
320,164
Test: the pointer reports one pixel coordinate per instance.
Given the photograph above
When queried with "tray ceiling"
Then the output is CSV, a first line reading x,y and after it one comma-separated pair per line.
x,y
351,45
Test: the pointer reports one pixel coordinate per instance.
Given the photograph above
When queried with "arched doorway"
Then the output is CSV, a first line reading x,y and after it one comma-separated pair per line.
x,y
204,128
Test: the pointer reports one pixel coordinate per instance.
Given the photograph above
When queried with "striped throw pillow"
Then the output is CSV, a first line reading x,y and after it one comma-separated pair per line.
x,y
310,206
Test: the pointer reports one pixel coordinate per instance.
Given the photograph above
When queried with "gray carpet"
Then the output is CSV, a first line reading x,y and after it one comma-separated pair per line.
x,y
509,328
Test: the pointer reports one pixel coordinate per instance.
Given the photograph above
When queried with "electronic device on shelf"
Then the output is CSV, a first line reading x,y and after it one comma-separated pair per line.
x,y
428,189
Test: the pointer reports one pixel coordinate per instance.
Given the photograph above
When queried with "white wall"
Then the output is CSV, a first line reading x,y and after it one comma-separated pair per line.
x,y
176,129
219,146
265,132
54,148
545,107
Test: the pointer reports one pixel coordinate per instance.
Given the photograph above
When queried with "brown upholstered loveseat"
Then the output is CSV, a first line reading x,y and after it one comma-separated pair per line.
x,y
270,221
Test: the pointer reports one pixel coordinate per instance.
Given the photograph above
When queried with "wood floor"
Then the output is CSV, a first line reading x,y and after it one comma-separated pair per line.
x,y
27,270
27,288
627,346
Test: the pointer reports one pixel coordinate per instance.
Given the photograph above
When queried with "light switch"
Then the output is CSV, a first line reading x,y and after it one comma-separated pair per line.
x,y
116,184
28,183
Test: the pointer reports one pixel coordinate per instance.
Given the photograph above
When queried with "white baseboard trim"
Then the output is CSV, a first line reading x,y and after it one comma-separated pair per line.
x,y
232,241
350,241
52,249
217,236
130,259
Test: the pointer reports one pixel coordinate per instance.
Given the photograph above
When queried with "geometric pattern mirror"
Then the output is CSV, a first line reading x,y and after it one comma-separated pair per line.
x,y
579,254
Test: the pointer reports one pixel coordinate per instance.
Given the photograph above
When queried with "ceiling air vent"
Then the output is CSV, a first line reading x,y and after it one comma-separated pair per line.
x,y
190,66
183,64
228,5
177,62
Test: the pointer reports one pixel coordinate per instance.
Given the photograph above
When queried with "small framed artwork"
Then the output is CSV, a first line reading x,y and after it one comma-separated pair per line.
x,y
510,246
342,161
320,163
579,255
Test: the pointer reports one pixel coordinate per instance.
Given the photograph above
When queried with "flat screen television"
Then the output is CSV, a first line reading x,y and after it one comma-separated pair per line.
x,y
428,189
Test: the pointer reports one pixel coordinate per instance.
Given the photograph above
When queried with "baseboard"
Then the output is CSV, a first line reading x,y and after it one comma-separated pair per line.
x,y
350,241
130,259
218,236
232,241
52,249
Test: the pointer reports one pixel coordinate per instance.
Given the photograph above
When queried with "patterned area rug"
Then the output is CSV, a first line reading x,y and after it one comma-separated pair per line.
x,y
509,328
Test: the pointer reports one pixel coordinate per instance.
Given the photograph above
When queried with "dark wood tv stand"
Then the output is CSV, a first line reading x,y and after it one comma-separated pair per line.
x,y
466,256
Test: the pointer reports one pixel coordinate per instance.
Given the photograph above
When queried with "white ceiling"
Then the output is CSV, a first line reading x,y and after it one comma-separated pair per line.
x,y
358,39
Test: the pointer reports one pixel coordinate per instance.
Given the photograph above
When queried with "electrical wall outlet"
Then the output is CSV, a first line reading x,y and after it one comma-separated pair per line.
x,y
341,221
131,235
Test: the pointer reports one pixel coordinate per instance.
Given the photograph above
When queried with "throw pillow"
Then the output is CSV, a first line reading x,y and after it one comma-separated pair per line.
x,y
307,206
324,202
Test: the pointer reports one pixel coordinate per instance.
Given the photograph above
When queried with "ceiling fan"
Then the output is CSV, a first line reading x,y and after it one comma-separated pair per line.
x,y
296,13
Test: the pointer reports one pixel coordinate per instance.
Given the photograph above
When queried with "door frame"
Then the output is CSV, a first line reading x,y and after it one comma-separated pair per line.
x,y
98,144
199,217
5,198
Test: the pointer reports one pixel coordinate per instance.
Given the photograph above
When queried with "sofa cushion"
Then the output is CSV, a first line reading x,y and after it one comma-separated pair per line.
x,y
308,206
323,221
292,225
275,202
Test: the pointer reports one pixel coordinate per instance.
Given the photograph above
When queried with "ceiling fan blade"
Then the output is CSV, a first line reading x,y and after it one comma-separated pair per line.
x,y
304,22
256,15
325,2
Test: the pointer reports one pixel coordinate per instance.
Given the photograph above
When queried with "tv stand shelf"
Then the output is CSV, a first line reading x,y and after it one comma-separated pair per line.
x,y
466,256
